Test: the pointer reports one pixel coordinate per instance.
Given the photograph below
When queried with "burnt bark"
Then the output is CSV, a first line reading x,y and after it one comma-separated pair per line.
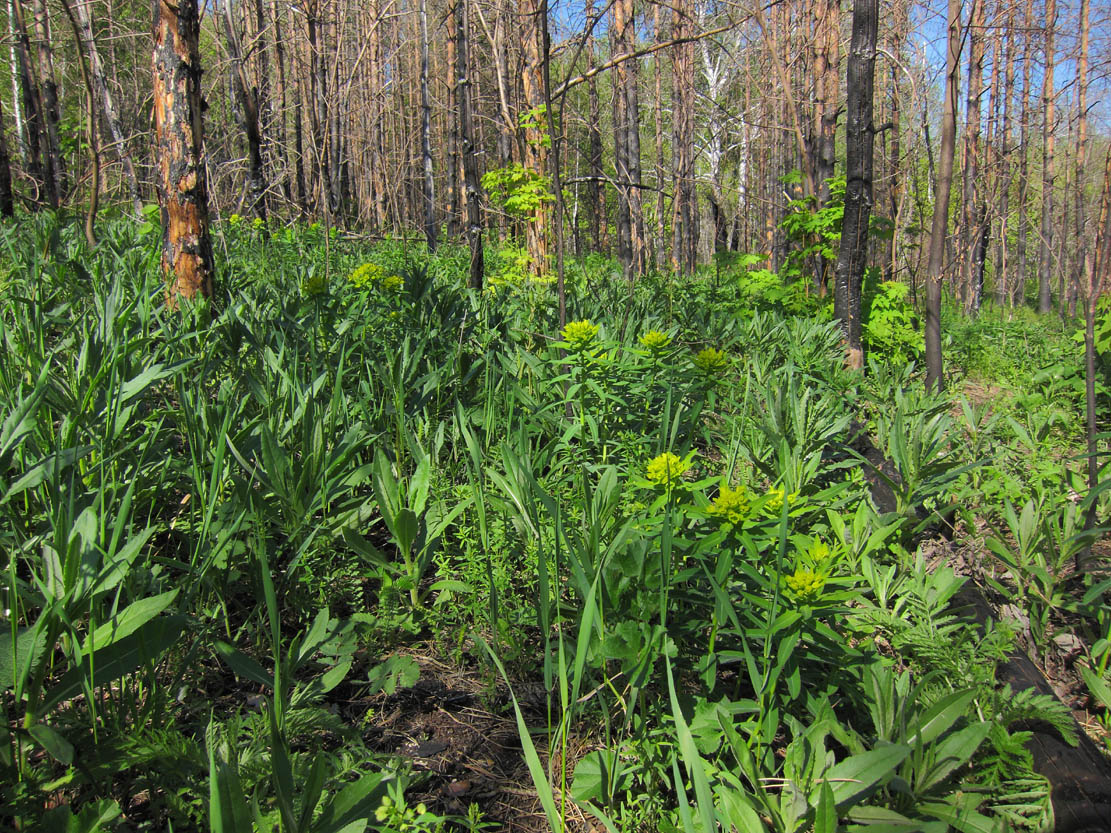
x,y
80,12
94,139
1045,247
247,114
684,219
187,260
535,138
35,161
940,227
859,140
461,8
48,97
428,189
7,203
972,209
626,128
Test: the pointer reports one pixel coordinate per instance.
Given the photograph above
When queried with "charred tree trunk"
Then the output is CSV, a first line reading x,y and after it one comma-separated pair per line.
x,y
455,171
7,203
48,92
247,113
827,86
940,228
626,128
1097,267
426,134
684,219
467,149
94,138
1049,125
1023,231
36,160
596,194
187,260
80,12
972,210
535,133
281,99
1082,236
859,138
321,127
1002,258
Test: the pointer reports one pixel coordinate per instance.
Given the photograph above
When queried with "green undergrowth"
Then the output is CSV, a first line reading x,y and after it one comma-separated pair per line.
x,y
221,522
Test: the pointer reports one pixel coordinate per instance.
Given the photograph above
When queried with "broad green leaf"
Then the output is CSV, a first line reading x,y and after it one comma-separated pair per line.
x,y
228,811
18,660
354,804
127,621
244,666
953,752
1097,686
142,648
938,719
59,748
853,778
825,814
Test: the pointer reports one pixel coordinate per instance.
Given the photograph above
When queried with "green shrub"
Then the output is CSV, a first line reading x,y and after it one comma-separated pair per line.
x,y
890,324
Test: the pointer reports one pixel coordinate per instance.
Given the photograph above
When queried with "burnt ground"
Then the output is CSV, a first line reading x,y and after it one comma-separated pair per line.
x,y
461,737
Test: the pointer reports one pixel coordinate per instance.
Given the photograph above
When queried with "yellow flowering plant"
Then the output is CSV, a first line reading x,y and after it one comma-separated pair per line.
x,y
731,507
656,343
710,362
578,336
772,502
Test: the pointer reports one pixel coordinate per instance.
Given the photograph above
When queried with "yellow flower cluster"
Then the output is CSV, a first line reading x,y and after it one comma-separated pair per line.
x,y
666,470
579,335
314,284
711,361
655,341
730,506
806,585
371,274
774,501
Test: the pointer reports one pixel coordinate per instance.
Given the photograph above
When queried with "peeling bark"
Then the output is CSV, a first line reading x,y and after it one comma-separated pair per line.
x,y
187,260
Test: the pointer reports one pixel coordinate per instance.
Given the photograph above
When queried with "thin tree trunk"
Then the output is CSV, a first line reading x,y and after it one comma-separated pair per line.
x,y
1049,125
466,137
454,164
1002,259
48,90
536,135
21,138
282,99
626,125
970,202
1080,218
80,11
859,137
187,260
7,203
1023,231
94,138
827,86
658,245
684,221
37,159
248,113
596,194
426,134
1097,266
940,227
